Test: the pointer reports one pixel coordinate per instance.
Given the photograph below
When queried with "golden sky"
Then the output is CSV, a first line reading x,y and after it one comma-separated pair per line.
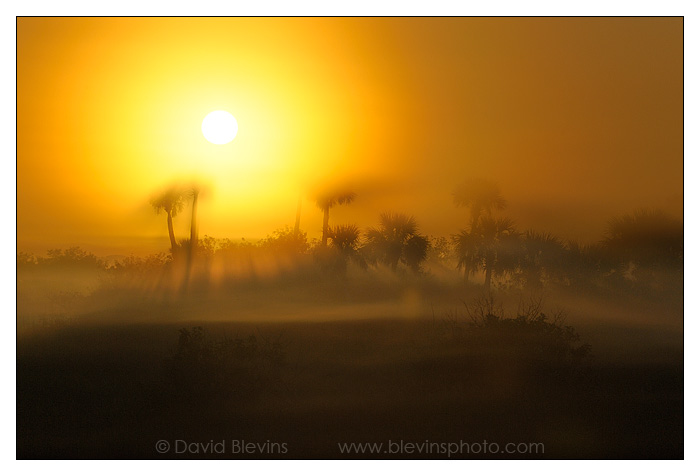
x,y
577,119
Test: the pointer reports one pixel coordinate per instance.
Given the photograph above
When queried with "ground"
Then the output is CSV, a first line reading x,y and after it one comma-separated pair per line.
x,y
113,384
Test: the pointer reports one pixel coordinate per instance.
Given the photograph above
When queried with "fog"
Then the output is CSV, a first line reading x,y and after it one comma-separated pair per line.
x,y
427,230
578,119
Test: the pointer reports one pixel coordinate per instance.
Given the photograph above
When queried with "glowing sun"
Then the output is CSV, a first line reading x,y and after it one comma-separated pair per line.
x,y
219,127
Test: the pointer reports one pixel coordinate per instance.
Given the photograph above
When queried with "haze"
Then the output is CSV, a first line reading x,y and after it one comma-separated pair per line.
x,y
438,231
577,120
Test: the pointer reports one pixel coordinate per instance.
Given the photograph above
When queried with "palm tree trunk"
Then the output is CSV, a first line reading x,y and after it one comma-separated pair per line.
x,y
298,220
487,279
193,225
324,238
193,242
171,233
476,212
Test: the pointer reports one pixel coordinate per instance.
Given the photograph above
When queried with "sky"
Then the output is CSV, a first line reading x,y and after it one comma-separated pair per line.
x,y
577,119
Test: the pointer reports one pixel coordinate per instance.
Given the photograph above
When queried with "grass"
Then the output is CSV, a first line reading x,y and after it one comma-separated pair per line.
x,y
102,389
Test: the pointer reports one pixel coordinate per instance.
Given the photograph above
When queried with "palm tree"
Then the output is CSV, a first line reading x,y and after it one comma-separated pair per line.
x,y
645,238
584,265
171,201
397,240
466,246
190,246
481,196
541,254
194,192
491,246
297,221
326,201
345,239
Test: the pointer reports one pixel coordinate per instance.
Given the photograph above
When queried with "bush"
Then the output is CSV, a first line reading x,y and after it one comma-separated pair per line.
x,y
73,257
530,337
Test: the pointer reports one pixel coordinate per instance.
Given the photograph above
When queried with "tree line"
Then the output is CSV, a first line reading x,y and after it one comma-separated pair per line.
x,y
638,248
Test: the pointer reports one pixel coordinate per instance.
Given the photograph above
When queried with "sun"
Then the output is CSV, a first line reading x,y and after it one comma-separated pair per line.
x,y
219,127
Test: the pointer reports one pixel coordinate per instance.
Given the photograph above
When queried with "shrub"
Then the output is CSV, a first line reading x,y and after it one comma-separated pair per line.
x,y
530,337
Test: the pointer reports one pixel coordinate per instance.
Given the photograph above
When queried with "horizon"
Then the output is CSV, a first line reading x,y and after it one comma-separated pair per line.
x,y
298,233
401,110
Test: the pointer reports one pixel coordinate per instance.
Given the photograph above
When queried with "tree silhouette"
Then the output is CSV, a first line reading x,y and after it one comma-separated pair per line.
x,y
491,246
190,246
171,201
397,240
328,200
286,241
194,193
645,238
297,220
541,254
583,264
480,196
416,251
345,239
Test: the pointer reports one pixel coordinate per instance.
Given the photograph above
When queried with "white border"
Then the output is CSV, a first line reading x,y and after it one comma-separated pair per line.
x,y
369,8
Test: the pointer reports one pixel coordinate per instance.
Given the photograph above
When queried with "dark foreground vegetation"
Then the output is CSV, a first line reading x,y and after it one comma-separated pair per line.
x,y
492,336
114,391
